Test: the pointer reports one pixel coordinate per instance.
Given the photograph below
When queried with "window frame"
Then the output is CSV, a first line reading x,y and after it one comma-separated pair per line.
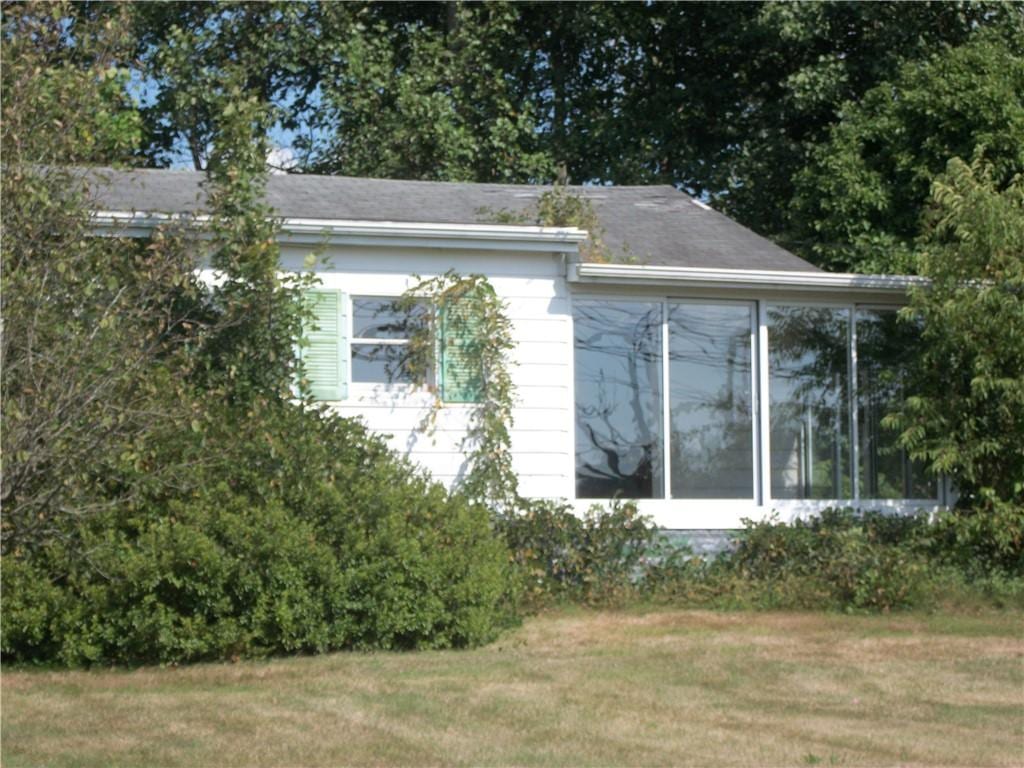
x,y
666,302
353,340
762,500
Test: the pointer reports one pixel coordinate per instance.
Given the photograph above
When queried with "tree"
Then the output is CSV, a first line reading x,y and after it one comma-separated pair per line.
x,y
860,203
93,327
116,356
187,51
166,494
416,102
722,100
795,66
965,415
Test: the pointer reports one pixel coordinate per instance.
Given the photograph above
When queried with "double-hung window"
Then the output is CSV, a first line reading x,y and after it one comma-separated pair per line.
x,y
366,340
381,332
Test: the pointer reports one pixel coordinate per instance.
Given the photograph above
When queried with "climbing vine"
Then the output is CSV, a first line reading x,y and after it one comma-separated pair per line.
x,y
468,324
560,206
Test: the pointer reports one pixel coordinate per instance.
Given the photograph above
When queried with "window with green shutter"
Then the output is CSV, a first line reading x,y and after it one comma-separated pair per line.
x,y
325,351
462,375
381,333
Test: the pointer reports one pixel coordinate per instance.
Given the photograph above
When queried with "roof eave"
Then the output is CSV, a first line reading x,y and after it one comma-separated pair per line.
x,y
752,279
300,231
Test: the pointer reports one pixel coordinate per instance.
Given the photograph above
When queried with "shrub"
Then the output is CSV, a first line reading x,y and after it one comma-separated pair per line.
x,y
334,543
840,559
165,499
845,560
592,559
979,542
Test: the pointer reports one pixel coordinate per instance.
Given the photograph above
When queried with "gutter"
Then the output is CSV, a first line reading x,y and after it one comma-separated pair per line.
x,y
760,279
298,231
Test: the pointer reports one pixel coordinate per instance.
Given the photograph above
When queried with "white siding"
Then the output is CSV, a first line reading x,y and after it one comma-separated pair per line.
x,y
539,305
534,288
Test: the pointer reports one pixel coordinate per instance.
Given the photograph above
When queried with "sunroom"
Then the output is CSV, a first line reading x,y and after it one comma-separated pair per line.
x,y
711,396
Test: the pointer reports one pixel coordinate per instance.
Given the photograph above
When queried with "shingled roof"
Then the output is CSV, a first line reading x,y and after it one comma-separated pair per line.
x,y
655,225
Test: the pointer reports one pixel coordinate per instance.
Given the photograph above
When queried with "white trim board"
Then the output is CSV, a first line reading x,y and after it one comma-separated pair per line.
x,y
762,280
697,515
501,237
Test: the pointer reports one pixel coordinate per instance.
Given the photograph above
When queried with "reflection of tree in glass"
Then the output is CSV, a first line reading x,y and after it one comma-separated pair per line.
x,y
883,344
618,399
808,369
386,319
710,401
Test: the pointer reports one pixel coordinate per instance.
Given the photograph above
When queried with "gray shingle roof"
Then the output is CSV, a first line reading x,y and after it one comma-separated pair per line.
x,y
655,225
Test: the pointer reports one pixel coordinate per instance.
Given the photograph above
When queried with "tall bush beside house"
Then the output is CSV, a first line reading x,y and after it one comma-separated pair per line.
x,y
323,541
966,413
166,496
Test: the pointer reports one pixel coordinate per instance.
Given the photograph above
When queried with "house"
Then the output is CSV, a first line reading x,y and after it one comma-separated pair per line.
x,y
709,374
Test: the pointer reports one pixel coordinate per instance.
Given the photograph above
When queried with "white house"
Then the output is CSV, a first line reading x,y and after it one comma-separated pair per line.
x,y
709,374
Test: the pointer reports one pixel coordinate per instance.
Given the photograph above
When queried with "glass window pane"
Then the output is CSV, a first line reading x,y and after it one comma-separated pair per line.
x,y
885,471
379,363
377,318
618,399
808,369
710,400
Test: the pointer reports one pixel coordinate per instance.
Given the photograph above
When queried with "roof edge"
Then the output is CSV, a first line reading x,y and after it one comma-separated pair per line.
x,y
743,278
353,232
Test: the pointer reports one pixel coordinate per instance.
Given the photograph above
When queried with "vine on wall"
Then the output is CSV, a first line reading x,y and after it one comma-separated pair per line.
x,y
469,321
483,332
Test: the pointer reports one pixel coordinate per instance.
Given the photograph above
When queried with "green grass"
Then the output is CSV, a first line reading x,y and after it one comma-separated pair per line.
x,y
579,688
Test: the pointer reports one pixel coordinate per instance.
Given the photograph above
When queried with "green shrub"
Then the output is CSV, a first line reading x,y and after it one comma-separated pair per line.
x,y
165,498
214,578
595,558
845,560
334,543
979,542
840,558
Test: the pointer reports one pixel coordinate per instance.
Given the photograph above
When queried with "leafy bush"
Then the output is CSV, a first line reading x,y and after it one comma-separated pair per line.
x,y
839,558
592,559
165,498
845,560
979,542
334,543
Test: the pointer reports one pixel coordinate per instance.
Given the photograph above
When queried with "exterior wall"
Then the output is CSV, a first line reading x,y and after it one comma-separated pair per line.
x,y
539,300
535,290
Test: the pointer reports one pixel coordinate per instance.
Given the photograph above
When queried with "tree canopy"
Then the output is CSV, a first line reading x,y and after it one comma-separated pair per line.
x,y
860,202
728,101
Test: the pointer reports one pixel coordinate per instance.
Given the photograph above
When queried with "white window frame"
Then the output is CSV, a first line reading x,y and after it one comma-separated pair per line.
x,y
353,340
686,513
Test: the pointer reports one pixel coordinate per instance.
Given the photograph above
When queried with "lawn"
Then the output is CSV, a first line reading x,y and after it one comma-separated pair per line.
x,y
576,688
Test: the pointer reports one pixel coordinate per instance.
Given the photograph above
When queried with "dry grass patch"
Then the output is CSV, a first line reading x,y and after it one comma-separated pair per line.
x,y
662,688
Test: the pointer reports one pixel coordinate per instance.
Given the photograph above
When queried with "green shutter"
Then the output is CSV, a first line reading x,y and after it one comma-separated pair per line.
x,y
461,366
325,354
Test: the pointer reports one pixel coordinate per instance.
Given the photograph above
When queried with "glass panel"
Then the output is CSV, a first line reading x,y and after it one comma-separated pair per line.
x,y
808,369
885,471
379,319
710,399
379,363
618,400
